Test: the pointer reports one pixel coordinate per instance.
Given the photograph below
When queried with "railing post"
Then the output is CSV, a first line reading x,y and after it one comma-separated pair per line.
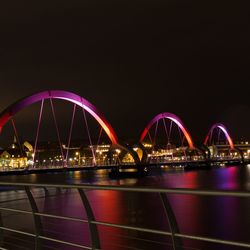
x,y
37,219
177,243
92,227
1,230
58,190
46,191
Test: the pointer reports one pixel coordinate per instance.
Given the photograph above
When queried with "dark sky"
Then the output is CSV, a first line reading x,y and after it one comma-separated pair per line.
x,y
133,59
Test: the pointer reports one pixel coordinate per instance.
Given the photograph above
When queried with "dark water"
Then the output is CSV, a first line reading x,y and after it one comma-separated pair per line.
x,y
220,217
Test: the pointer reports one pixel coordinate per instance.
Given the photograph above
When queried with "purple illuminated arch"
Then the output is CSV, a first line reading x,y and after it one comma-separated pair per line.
x,y
224,130
173,118
8,113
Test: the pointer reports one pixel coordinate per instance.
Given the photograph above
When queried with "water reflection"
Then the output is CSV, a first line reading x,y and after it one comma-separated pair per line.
x,y
224,217
247,176
227,178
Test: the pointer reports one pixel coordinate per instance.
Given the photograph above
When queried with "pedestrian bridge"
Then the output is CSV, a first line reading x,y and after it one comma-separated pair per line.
x,y
165,139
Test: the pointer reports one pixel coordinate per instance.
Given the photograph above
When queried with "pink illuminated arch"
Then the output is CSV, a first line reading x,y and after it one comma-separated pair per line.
x,y
8,113
173,118
224,130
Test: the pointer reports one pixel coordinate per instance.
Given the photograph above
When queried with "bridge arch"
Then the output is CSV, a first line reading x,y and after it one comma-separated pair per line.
x,y
10,111
224,130
173,118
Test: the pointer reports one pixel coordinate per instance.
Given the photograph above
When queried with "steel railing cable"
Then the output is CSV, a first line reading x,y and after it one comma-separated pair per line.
x,y
92,221
140,239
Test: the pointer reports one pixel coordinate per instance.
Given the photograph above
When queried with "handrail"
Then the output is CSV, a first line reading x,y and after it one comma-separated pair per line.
x,y
93,223
145,189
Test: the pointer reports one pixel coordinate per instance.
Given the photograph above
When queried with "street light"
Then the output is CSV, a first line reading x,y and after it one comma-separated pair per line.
x,y
78,155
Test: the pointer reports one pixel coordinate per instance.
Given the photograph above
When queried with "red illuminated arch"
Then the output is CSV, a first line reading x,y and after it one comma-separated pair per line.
x,y
173,118
8,113
224,130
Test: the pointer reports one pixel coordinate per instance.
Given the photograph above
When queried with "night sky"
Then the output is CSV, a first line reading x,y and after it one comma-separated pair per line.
x,y
133,59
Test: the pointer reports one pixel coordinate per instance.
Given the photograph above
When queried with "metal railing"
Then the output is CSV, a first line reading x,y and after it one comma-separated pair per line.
x,y
93,224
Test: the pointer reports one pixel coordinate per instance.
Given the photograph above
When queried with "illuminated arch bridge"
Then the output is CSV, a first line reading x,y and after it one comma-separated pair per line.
x,y
219,144
163,147
113,148
165,139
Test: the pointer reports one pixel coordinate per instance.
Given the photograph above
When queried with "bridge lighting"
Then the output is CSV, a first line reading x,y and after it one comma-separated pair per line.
x,y
224,130
30,162
173,118
63,95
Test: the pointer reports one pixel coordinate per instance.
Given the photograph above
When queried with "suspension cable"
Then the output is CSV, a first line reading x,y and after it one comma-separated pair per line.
x,y
182,142
57,129
98,140
165,127
37,131
150,138
17,137
170,130
70,134
218,138
90,141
